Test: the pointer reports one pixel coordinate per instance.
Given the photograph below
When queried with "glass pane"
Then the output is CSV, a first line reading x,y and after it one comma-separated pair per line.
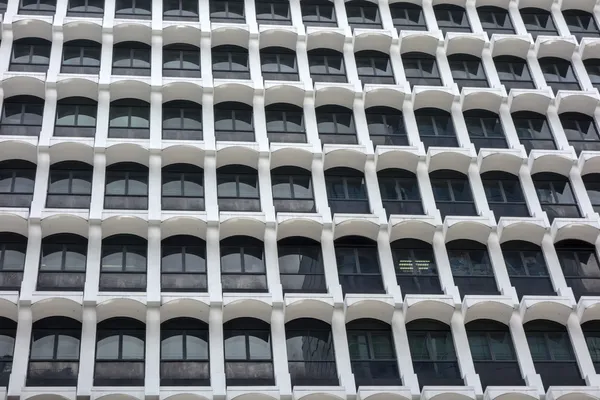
x,y
14,258
260,348
172,348
51,258
302,188
235,348
68,348
133,348
43,348
479,346
135,262
108,348
501,346
281,187
248,186
197,348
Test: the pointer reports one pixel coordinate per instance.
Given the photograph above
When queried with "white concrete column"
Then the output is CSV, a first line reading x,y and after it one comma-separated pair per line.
x,y
157,14
272,263
557,130
443,266
340,13
204,16
463,352
342,352
107,53
156,118
582,353
410,122
508,125
280,357
478,191
41,184
531,197
396,61
489,67
153,280
330,266
302,61
388,272
373,192
460,126
386,16
319,188
11,10
536,71
580,72
554,269
350,63
55,52
499,266
156,53
6,48
429,16
152,359
260,121
154,186
515,16
213,264
473,17
360,122
92,264
206,54
443,65
208,120
49,115
87,354
22,346
265,187
103,118
425,189
310,120
250,10
559,19
296,15
580,192
32,261
210,188
98,183
401,345
216,351
254,58
523,354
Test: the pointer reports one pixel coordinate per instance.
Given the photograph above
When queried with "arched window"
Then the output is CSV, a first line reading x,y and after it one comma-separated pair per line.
x,y
243,265
301,265
358,265
237,188
335,125
129,118
408,16
415,266
63,262
579,262
432,350
592,186
421,69
8,333
131,58
81,56
436,127
592,66
181,60
182,120
527,269
400,192
327,65
76,117
279,64
17,180
559,74
234,121
386,126
485,129
180,10
581,24
285,123
183,187
533,131
22,116
556,196
363,14
471,267
451,18
318,13
54,356
504,194
374,66
538,22
184,353
372,353
248,356
495,20
292,190
273,12
37,7
183,264
227,11
30,55
135,9
452,193
120,352
513,72
552,354
346,191
591,331
123,265
85,8
493,353
311,354
581,131
126,186
467,71
230,62
13,248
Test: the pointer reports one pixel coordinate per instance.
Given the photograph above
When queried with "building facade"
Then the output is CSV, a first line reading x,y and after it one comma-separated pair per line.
x,y
305,199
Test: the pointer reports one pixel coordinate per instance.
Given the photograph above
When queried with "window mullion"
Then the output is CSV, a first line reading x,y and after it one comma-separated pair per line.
x,y
63,255
124,258
183,265
184,346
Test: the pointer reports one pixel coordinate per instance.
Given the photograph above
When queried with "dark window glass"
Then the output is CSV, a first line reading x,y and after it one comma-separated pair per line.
x,y
182,187
363,14
579,263
358,265
301,266
581,23
485,129
131,58
184,351
452,193
527,269
230,61
126,186
471,267
335,125
76,117
138,9
436,127
513,72
17,180
292,190
234,122
181,60
22,116
556,195
400,192
326,65
62,263
69,185
416,270
386,126
538,22
183,264
123,264
186,10
227,11
13,248
85,8
591,331
559,74
451,18
408,16
504,194
129,118
275,12
346,191
278,63
421,69
81,57
285,123
237,188
533,131
37,7
318,13
495,20
374,67
581,131
592,66
467,71
592,186
243,265
30,55
8,333
433,355
182,120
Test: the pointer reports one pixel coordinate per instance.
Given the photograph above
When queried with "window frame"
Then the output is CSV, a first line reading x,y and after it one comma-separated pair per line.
x,y
136,12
